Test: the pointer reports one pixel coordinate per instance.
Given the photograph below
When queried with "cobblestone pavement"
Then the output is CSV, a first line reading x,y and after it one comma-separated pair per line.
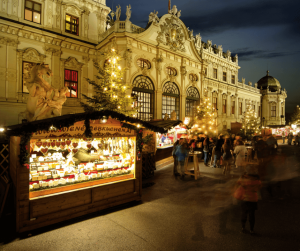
x,y
180,215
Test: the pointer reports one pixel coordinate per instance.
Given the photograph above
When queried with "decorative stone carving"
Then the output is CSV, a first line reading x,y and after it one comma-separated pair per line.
x,y
191,33
166,117
243,81
128,57
44,101
183,70
85,59
118,12
198,40
53,51
250,83
173,115
72,62
31,54
209,43
128,12
175,12
228,53
153,17
9,41
171,34
158,61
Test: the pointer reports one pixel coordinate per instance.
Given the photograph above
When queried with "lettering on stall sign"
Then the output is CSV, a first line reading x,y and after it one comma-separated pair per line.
x,y
107,129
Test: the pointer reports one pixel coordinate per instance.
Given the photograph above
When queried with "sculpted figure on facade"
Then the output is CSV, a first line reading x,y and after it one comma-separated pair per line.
x,y
128,12
158,61
128,57
44,101
198,40
118,13
171,34
243,81
173,115
228,53
209,43
153,17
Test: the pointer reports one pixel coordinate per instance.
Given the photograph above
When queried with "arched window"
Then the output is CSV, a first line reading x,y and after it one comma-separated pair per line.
x,y
193,77
191,102
143,63
171,71
170,99
144,89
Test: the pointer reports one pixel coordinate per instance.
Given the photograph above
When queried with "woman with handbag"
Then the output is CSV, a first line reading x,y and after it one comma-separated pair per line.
x,y
227,156
247,192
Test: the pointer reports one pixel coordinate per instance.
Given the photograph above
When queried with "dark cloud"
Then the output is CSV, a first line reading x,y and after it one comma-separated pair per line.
x,y
246,54
259,14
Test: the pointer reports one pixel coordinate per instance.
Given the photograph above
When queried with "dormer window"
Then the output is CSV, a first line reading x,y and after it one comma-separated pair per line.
x,y
32,12
72,24
171,71
143,63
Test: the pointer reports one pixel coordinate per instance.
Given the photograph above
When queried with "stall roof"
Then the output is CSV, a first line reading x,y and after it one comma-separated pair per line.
x,y
166,124
70,119
276,126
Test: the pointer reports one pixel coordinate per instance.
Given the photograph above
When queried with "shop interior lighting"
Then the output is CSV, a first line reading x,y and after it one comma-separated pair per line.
x,y
2,129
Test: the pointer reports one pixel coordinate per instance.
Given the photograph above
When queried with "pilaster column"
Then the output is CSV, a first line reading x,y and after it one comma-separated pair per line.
x,y
158,99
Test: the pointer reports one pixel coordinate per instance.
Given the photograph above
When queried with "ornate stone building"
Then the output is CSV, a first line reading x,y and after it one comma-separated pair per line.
x,y
170,68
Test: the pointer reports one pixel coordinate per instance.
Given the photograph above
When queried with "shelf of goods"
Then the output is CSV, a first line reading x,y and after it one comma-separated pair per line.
x,y
71,176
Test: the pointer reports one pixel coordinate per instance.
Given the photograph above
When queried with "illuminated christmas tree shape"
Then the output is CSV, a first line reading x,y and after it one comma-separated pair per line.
x,y
110,89
205,120
250,121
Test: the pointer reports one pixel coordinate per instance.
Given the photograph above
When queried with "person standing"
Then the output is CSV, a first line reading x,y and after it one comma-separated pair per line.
x,y
217,155
250,184
175,173
227,155
240,150
206,150
283,137
182,152
290,138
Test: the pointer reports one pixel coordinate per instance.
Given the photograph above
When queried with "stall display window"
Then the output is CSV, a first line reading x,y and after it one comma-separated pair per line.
x,y
170,99
65,162
71,81
32,11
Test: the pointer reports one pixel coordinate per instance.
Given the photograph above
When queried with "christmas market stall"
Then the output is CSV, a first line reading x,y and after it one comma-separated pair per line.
x,y
164,141
72,165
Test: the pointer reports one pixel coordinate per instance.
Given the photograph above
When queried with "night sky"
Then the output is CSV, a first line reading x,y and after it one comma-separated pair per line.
x,y
264,33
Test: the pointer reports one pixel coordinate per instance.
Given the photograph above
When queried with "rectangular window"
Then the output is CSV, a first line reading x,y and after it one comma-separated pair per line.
x,y
169,105
25,70
233,107
232,79
253,107
258,112
72,24
32,12
215,103
205,72
145,102
71,81
224,105
215,73
273,111
240,108
224,76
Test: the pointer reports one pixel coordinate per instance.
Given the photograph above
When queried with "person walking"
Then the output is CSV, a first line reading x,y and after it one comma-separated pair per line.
x,y
240,161
250,184
217,155
283,137
175,173
206,150
182,152
227,155
290,138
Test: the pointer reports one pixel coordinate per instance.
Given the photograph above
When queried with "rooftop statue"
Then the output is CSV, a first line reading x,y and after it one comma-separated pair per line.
x,y
44,101
118,13
128,12
153,17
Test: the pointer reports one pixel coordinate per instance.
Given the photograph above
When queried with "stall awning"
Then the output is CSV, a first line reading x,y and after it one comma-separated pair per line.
x,y
67,120
166,124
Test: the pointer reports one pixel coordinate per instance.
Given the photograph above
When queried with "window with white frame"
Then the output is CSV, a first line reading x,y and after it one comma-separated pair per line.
x,y
170,99
192,100
72,24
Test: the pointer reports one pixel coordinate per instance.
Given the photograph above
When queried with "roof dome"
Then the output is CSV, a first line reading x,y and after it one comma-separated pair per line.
x,y
269,81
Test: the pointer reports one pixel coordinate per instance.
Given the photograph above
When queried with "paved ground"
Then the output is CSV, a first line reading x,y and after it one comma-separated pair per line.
x,y
181,215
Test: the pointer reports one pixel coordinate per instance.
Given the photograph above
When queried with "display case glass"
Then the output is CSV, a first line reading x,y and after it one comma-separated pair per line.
x,y
63,164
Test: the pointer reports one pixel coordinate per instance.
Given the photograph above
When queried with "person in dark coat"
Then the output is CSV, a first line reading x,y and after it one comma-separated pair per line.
x,y
219,145
206,144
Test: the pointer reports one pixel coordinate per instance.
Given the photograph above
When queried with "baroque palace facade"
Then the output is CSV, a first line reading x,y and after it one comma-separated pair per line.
x,y
170,68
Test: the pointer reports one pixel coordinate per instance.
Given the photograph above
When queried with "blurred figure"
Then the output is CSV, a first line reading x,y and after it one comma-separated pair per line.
x,y
218,147
262,149
296,140
175,173
290,138
227,156
272,145
283,137
240,161
206,144
182,152
251,184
